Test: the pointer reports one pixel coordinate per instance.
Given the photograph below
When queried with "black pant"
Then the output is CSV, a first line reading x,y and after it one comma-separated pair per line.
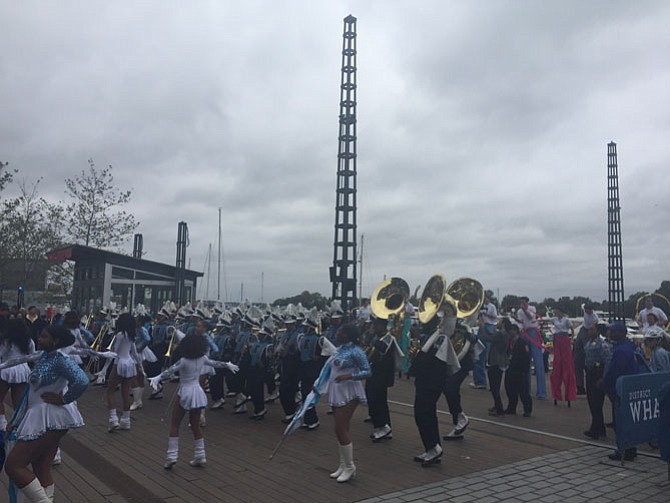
x,y
429,384
495,379
452,392
309,371
376,392
154,368
256,387
269,379
516,387
288,386
216,384
578,357
596,397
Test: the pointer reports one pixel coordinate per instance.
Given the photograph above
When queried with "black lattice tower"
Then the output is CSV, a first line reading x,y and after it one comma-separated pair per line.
x,y
343,271
614,256
179,274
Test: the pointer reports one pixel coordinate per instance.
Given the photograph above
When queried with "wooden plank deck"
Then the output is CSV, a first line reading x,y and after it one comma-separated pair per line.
x,y
126,466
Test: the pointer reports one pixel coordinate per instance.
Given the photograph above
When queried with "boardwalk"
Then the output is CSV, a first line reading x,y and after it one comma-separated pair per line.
x,y
126,466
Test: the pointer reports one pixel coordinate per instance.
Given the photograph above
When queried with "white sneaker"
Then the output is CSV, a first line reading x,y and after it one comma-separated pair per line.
x,y
113,425
241,400
136,405
169,463
199,461
217,404
124,424
382,433
57,458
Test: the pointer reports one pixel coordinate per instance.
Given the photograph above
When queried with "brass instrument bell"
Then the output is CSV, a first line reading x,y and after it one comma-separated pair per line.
x,y
389,298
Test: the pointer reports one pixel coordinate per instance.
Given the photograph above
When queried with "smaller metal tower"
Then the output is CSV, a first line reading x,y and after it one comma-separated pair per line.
x,y
614,256
137,246
179,274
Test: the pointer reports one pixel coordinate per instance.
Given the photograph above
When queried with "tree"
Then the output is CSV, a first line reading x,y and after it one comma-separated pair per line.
x,y
32,227
93,216
6,177
307,299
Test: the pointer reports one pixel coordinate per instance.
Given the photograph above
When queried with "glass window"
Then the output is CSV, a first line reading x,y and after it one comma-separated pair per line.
x,y
120,273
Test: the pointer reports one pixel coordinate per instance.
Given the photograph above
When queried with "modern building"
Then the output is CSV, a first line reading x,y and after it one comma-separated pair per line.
x,y
101,277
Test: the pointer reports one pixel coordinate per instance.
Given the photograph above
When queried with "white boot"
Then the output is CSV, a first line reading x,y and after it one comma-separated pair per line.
x,y
199,458
172,452
124,424
113,421
349,471
137,398
340,468
49,490
35,492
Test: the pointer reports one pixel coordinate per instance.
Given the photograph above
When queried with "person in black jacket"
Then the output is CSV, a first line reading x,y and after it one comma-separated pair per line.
x,y
452,387
382,364
516,377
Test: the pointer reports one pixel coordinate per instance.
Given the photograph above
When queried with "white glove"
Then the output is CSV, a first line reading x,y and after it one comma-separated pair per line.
x,y
232,367
155,382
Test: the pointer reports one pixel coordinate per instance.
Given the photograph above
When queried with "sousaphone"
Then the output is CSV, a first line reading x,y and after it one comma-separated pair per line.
x,y
388,302
389,298
462,299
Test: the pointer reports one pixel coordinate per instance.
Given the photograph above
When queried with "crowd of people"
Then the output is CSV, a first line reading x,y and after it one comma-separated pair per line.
x,y
253,356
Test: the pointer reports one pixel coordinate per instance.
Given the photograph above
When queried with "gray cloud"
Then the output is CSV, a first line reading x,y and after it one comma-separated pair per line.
x,y
482,133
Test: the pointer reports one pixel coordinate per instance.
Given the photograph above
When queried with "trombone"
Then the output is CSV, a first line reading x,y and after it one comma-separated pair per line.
x,y
95,345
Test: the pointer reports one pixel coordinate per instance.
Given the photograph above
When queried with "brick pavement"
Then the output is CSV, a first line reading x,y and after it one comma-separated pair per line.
x,y
583,474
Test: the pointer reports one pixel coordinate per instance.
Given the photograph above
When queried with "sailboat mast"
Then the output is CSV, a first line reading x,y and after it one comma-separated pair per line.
x,y
218,275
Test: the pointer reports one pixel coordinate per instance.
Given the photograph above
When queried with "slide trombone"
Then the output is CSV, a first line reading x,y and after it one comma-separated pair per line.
x,y
95,346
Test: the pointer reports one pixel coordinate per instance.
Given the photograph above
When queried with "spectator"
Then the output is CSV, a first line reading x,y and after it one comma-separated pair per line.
x,y
527,316
623,363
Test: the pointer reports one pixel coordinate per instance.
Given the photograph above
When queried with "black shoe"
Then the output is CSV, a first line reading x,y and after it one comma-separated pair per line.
x,y
492,409
287,419
609,425
526,414
581,391
510,412
367,420
497,413
628,455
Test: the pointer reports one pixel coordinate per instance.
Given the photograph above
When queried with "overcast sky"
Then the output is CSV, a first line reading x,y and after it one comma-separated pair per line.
x,y
482,133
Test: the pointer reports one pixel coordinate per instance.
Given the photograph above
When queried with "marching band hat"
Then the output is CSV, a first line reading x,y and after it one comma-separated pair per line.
x,y
655,333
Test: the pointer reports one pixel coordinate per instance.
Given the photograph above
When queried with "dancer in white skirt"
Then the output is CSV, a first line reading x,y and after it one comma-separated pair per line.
x,y
142,341
341,379
45,413
128,364
15,342
191,397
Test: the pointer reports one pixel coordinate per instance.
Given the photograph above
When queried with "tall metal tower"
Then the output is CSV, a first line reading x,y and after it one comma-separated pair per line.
x,y
615,260
343,271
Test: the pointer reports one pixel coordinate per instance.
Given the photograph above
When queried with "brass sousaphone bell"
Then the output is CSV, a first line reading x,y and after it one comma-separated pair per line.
x,y
389,298
388,302
461,299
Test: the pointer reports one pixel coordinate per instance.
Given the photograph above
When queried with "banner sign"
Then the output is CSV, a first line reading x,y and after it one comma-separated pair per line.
x,y
637,413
